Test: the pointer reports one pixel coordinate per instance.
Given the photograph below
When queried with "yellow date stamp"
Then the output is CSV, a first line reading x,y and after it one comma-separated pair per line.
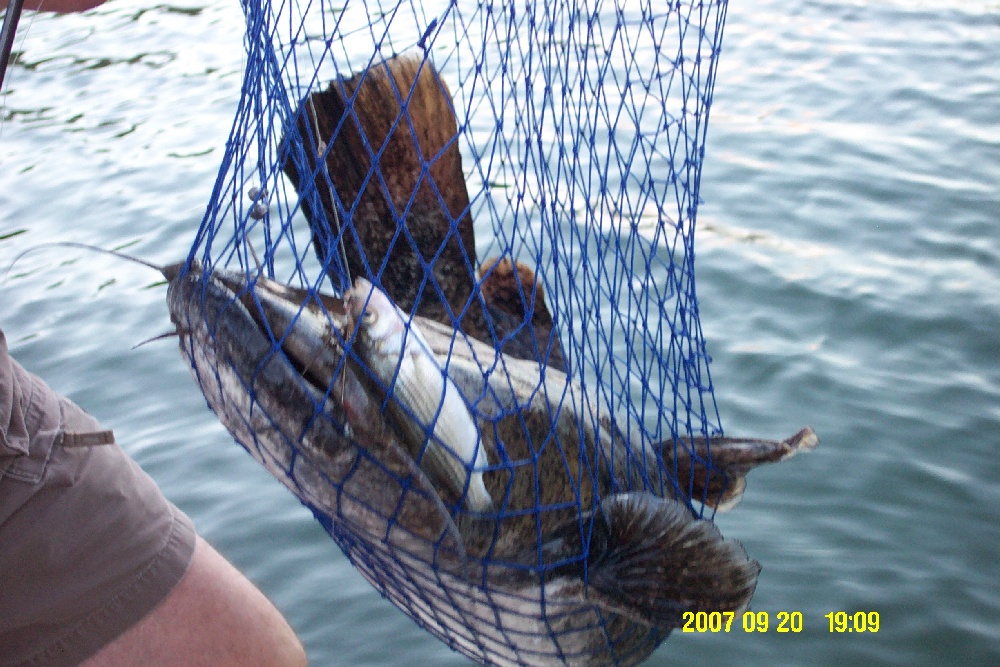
x,y
750,621
859,621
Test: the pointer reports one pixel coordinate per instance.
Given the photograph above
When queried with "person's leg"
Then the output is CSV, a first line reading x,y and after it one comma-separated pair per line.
x,y
95,564
213,617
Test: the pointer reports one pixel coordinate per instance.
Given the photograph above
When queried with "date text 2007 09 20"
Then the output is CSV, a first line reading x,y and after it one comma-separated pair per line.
x,y
785,621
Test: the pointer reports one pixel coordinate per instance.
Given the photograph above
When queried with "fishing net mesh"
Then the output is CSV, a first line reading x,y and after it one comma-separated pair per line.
x,y
581,129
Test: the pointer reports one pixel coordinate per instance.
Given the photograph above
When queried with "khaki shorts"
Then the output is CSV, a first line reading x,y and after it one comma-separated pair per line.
x,y
88,544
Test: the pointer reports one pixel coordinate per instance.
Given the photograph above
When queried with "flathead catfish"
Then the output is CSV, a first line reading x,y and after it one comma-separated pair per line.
x,y
584,552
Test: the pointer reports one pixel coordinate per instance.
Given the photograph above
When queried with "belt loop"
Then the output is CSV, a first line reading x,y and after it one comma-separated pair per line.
x,y
88,439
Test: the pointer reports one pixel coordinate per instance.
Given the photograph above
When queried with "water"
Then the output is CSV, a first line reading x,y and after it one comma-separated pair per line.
x,y
848,271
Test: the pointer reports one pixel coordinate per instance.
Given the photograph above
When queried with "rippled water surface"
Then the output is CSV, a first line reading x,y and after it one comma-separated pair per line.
x,y
848,273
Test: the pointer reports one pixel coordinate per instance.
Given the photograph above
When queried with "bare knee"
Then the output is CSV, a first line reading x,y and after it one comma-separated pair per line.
x,y
214,616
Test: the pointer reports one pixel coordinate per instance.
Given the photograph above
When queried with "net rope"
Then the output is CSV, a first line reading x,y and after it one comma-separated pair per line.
x,y
580,128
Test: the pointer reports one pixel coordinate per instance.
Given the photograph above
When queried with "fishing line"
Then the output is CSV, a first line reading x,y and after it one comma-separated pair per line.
x,y
320,149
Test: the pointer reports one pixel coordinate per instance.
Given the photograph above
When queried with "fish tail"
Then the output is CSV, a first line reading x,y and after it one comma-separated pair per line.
x,y
652,560
713,471
396,118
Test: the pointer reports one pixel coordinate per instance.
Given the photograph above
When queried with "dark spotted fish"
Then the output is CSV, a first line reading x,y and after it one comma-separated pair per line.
x,y
587,555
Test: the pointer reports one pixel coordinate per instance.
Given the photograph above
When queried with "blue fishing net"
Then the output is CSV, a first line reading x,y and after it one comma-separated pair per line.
x,y
526,176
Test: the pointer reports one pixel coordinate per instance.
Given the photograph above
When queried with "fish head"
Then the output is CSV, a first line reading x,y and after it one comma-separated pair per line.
x,y
379,323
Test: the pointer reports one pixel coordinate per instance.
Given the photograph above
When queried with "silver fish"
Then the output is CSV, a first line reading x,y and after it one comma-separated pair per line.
x,y
446,441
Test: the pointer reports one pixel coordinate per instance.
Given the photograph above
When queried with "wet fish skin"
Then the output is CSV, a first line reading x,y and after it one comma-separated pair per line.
x,y
402,359
294,425
580,578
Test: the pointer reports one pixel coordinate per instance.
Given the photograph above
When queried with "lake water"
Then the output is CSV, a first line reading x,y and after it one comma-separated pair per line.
x,y
848,272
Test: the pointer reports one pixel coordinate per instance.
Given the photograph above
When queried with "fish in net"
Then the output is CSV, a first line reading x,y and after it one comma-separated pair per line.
x,y
462,328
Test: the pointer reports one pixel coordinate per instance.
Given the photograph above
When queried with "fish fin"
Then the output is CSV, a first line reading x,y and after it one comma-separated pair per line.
x,y
803,441
740,455
730,496
652,560
721,484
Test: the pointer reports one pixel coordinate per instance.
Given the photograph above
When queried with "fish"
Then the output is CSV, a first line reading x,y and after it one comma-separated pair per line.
x,y
401,359
276,399
377,167
591,553
393,183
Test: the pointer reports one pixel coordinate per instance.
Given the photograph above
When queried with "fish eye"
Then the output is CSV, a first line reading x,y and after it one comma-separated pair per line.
x,y
369,316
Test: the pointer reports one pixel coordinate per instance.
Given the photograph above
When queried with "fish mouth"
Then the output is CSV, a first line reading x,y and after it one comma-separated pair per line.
x,y
318,339
270,362
305,326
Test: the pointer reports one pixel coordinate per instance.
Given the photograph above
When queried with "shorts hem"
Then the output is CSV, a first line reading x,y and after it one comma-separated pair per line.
x,y
134,600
